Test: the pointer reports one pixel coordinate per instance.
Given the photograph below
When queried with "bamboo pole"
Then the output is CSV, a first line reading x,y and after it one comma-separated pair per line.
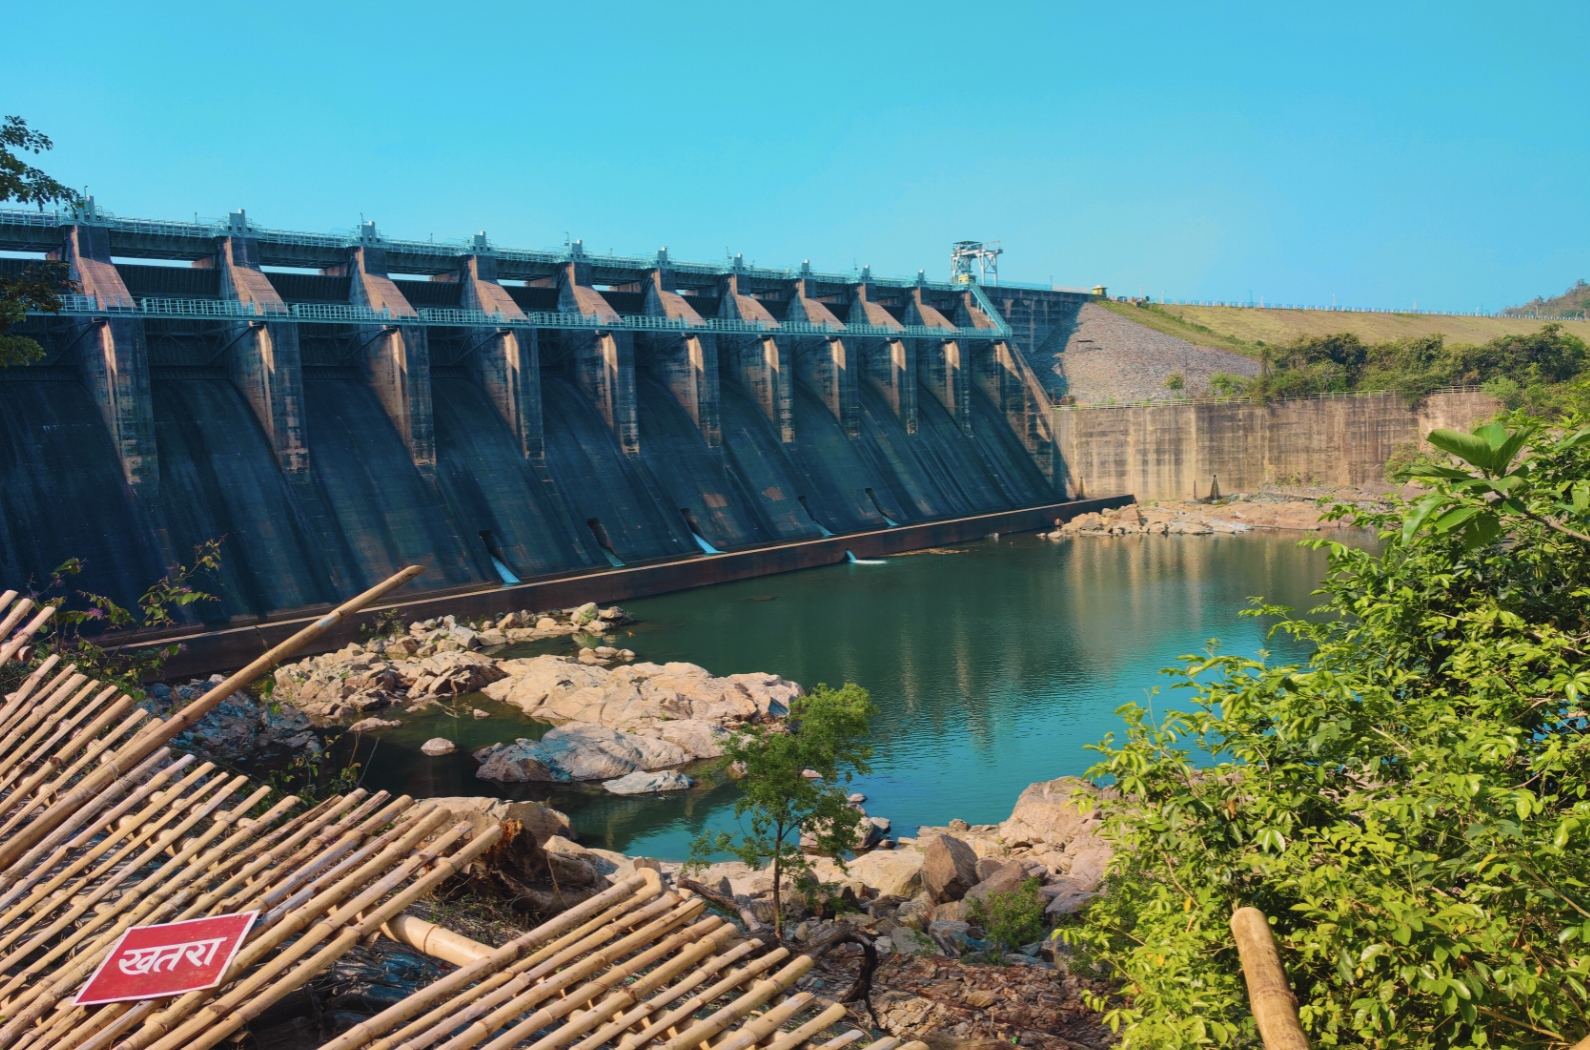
x,y
698,976
701,962
303,920
14,613
41,792
25,635
70,692
621,896
842,1041
132,830
831,1015
70,835
140,747
586,993
566,950
1274,1007
525,990
142,899
760,993
16,700
683,1011
753,1032
229,1013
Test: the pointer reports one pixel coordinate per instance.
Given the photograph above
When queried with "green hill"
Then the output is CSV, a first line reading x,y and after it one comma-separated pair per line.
x,y
1575,302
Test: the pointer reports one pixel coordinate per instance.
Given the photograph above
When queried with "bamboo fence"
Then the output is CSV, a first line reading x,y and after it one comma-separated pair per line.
x,y
103,828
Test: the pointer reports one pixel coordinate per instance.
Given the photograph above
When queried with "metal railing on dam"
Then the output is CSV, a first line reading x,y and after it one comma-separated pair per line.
x,y
513,416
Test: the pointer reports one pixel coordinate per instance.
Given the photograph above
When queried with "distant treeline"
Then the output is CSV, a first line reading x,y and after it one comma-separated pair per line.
x,y
1544,371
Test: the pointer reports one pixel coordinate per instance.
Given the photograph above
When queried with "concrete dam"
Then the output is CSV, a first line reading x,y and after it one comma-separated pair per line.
x,y
338,406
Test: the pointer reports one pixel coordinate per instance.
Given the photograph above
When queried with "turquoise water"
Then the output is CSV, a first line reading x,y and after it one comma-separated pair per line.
x,y
992,664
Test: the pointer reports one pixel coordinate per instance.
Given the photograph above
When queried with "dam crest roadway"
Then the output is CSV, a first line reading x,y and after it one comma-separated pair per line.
x,y
337,406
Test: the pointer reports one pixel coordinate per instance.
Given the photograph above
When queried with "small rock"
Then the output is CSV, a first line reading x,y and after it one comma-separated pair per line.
x,y
511,620
856,799
959,825
626,654
368,724
584,614
811,774
478,713
437,745
546,623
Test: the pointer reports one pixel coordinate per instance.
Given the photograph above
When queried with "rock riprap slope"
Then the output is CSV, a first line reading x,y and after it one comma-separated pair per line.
x,y
1112,358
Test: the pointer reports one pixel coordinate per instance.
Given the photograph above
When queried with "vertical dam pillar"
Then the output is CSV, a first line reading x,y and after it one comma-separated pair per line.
x,y
506,361
1009,382
889,364
264,363
113,354
395,357
604,361
826,364
687,364
940,364
760,362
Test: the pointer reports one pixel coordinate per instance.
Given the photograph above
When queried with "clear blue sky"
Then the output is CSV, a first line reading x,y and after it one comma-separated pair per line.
x,y
1382,153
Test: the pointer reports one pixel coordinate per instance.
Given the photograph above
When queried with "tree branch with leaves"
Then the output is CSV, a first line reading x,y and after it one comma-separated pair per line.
x,y
826,734
41,284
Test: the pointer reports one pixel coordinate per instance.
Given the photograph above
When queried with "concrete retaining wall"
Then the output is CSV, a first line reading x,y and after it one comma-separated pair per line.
x,y
1174,451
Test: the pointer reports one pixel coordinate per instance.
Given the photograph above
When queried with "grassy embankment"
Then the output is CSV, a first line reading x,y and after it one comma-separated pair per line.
x,y
1244,331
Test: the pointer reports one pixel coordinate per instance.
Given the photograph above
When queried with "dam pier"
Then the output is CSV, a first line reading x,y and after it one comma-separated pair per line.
x,y
339,406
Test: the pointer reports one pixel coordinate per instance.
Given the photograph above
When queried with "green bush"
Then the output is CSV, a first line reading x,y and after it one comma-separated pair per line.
x,y
1536,372
1010,919
1409,806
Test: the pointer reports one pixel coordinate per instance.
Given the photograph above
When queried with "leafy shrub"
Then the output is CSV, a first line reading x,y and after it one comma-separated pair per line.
x,y
1411,806
1013,918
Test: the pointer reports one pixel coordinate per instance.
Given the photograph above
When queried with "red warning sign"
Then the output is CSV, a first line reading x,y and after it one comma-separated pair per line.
x,y
152,962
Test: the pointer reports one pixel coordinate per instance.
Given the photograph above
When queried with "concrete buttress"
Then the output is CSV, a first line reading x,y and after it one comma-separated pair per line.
x,y
940,363
264,362
890,365
1004,375
113,356
603,360
759,362
827,365
395,357
686,364
506,362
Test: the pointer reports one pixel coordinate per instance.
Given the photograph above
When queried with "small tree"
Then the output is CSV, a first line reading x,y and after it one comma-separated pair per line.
x,y
41,285
1176,382
825,733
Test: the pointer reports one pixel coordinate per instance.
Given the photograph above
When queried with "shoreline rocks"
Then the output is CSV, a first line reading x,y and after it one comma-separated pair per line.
x,y
1229,516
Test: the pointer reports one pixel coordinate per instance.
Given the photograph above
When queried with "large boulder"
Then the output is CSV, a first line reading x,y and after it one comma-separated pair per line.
x,y
1008,877
1045,814
520,854
577,751
893,873
949,868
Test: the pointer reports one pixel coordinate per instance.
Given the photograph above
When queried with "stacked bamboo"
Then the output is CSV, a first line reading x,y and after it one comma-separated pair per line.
x,y
633,968
103,828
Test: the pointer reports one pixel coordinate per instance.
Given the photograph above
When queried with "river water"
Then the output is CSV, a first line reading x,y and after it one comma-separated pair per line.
x,y
992,664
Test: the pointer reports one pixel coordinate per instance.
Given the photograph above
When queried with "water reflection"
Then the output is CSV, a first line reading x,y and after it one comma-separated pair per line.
x,y
991,667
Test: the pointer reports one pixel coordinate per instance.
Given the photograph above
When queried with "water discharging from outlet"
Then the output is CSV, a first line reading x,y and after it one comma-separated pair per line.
x,y
853,560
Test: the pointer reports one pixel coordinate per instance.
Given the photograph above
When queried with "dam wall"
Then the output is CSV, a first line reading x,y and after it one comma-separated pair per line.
x,y
334,407
1177,450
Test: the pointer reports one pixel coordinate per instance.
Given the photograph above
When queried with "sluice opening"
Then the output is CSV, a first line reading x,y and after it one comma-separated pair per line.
x,y
881,512
695,532
603,542
807,507
499,560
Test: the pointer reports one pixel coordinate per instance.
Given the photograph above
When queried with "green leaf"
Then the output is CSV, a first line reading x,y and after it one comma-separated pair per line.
x,y
1467,447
